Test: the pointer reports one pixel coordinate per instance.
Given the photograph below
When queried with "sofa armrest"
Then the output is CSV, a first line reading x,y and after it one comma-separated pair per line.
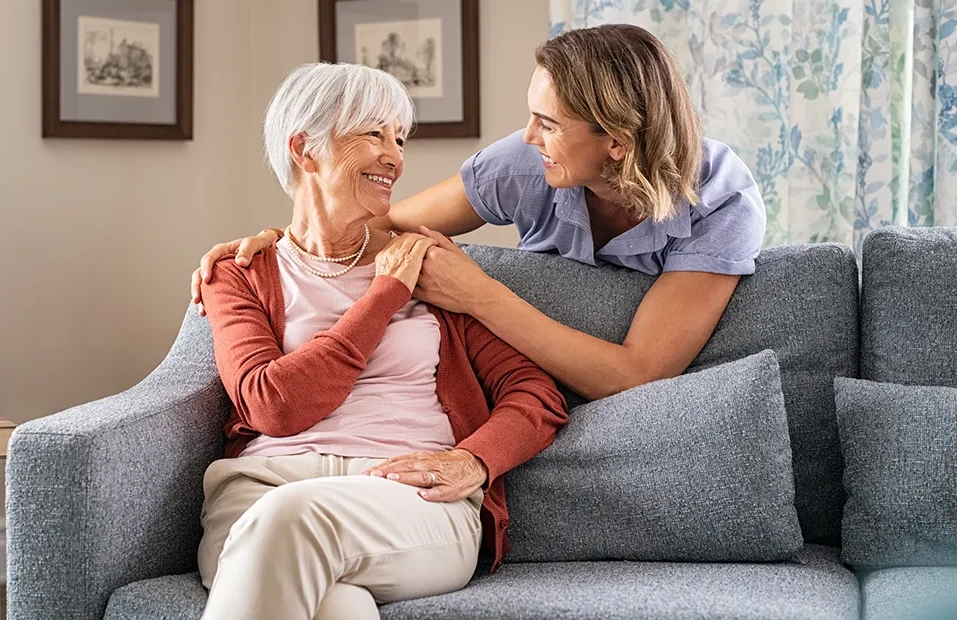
x,y
110,492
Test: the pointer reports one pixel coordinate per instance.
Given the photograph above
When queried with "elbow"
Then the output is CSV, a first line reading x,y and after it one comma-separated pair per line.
x,y
269,417
630,373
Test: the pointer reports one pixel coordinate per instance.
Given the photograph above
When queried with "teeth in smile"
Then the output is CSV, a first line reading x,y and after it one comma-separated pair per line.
x,y
377,179
548,159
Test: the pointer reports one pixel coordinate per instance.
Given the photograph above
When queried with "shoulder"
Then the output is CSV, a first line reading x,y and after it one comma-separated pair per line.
x,y
727,186
261,271
508,157
506,178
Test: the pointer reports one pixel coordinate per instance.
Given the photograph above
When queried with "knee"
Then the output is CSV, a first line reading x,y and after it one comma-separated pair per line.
x,y
283,508
344,600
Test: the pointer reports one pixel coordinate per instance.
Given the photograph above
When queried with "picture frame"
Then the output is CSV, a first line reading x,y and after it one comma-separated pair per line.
x,y
118,69
431,45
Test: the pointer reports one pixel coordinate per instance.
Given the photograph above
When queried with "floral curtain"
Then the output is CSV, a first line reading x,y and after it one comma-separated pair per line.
x,y
845,110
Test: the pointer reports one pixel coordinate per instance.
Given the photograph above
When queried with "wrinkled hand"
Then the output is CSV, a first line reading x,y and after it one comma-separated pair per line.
x,y
458,473
402,258
244,249
450,279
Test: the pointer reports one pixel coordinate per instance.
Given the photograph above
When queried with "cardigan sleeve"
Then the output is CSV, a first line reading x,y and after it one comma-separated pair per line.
x,y
281,394
527,408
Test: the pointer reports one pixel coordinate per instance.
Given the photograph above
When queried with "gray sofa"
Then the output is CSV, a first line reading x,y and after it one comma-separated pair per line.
x,y
103,499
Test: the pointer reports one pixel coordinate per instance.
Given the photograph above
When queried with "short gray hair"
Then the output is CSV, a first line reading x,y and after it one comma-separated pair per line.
x,y
324,100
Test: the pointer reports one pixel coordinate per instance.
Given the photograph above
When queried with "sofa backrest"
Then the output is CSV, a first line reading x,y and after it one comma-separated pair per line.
x,y
802,302
909,306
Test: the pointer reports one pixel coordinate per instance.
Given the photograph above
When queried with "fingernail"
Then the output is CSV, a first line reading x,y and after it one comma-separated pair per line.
x,y
393,476
205,275
424,494
376,473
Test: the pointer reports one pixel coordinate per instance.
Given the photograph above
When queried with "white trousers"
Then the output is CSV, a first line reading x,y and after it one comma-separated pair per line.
x,y
306,537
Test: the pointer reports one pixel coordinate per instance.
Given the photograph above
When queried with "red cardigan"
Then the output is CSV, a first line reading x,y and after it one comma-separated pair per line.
x,y
282,395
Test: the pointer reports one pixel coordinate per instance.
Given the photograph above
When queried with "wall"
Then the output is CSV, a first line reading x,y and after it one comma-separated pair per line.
x,y
99,237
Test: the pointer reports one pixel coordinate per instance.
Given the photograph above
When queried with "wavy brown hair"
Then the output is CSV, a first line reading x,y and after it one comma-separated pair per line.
x,y
622,80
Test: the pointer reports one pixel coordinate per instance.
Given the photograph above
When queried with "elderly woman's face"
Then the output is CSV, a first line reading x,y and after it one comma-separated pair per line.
x,y
363,167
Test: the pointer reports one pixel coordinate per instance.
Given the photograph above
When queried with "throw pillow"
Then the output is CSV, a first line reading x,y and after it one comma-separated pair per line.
x,y
695,468
900,473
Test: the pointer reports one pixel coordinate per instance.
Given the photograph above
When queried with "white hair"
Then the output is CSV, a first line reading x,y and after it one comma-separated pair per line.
x,y
323,101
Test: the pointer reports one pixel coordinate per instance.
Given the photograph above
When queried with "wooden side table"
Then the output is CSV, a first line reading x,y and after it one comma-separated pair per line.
x,y
6,430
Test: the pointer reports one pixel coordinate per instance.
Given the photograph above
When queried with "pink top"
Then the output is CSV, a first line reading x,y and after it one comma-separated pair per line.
x,y
392,408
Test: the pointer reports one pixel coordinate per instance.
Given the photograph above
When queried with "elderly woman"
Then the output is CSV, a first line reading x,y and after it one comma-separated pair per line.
x,y
335,371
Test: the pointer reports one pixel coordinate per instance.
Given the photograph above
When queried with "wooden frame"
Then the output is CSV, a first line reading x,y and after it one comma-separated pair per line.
x,y
469,126
54,127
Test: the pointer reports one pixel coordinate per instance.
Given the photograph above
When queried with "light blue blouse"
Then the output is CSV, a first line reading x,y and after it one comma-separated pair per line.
x,y
723,233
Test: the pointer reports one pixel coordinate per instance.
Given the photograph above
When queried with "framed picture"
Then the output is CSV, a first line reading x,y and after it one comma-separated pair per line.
x,y
431,45
118,69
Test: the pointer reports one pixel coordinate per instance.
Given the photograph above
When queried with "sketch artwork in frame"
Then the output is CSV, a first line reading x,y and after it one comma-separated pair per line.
x,y
118,69
430,45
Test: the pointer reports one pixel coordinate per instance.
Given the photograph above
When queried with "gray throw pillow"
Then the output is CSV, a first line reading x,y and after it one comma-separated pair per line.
x,y
900,473
695,468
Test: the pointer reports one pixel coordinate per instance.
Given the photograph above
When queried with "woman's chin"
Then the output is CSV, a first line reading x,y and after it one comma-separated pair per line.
x,y
557,180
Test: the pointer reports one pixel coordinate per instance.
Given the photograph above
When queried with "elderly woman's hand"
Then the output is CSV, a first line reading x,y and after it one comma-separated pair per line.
x,y
402,258
444,476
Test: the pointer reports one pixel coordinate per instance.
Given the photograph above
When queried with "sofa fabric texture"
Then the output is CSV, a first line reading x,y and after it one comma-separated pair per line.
x,y
104,499
910,593
695,468
802,302
817,587
909,306
900,453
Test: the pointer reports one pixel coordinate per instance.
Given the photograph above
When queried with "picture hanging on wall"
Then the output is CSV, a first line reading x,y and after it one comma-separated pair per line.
x,y
431,45
118,69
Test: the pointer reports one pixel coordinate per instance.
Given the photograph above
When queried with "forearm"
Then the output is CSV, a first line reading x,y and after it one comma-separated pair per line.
x,y
591,367
444,207
283,394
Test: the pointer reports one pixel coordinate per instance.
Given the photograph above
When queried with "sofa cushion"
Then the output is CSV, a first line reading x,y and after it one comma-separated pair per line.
x,y
819,587
802,302
695,468
900,451
174,597
908,318
912,593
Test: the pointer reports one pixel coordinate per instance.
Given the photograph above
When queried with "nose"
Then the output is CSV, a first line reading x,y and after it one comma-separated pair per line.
x,y
391,154
531,134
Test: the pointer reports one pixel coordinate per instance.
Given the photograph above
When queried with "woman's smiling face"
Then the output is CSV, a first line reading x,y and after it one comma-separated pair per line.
x,y
363,167
572,152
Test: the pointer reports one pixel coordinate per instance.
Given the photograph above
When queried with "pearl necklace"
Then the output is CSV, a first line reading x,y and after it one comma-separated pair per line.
x,y
299,251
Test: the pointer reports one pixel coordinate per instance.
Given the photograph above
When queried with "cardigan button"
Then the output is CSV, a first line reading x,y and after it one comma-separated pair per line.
x,y
446,408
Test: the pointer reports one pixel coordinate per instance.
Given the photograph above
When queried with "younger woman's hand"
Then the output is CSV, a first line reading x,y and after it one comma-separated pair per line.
x,y
244,249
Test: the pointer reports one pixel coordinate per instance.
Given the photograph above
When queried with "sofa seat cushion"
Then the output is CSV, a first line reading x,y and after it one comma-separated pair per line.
x,y
174,597
910,593
818,587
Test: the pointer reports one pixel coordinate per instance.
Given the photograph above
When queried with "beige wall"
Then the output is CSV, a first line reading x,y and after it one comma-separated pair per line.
x,y
99,237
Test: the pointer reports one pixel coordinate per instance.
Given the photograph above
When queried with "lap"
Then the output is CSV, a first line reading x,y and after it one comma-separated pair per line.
x,y
392,541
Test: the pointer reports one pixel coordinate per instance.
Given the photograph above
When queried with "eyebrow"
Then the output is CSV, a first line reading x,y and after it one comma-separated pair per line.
x,y
545,118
